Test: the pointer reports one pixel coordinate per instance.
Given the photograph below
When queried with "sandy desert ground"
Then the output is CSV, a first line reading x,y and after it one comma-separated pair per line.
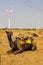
x,y
25,58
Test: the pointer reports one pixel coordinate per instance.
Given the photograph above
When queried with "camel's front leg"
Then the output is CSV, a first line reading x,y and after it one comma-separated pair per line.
x,y
19,49
9,51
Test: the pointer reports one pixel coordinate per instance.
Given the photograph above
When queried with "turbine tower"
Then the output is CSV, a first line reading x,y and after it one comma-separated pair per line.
x,y
9,15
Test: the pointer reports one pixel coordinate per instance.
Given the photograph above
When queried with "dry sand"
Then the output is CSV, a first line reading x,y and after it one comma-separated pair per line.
x,y
25,58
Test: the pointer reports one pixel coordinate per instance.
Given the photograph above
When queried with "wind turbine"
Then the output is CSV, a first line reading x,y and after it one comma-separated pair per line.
x,y
9,15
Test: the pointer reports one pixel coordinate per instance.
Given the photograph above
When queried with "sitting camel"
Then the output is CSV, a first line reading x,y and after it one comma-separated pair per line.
x,y
17,46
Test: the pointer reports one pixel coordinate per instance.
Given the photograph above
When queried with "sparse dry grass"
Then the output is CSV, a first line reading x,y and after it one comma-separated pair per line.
x,y
25,58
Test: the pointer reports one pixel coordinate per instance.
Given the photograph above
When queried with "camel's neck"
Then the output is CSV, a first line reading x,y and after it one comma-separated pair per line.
x,y
10,41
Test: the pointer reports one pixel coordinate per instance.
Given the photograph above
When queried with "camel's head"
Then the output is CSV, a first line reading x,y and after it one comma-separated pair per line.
x,y
9,34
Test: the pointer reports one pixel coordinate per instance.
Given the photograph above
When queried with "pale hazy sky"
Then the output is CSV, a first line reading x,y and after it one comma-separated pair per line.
x,y
26,13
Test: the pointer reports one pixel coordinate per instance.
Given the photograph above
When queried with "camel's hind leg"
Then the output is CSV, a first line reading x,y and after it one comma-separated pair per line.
x,y
34,47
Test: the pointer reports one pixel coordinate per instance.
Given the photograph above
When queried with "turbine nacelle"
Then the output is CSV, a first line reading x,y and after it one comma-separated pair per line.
x,y
9,11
